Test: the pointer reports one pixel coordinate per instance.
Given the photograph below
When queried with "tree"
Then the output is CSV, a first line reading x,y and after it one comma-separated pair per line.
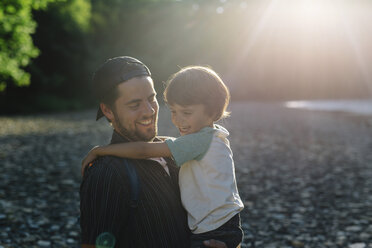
x,y
16,46
62,35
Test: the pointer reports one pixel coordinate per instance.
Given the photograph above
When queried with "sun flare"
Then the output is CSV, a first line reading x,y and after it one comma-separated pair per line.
x,y
309,45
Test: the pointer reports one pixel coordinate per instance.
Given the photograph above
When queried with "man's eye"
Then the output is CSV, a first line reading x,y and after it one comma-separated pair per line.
x,y
134,106
187,113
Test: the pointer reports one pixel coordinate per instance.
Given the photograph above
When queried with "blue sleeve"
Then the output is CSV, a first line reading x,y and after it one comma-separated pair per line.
x,y
191,146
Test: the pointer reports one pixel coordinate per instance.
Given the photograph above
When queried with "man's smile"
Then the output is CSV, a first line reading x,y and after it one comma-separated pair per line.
x,y
146,122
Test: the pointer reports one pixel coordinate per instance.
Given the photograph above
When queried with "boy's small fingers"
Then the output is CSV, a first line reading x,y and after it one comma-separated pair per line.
x,y
83,167
214,243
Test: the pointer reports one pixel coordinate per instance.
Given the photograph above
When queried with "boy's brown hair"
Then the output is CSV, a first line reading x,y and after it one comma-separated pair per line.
x,y
198,85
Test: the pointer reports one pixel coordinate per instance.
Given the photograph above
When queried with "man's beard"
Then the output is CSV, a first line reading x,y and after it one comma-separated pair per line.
x,y
136,135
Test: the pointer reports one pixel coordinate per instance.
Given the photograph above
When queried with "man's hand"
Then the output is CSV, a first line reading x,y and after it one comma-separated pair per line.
x,y
88,159
214,243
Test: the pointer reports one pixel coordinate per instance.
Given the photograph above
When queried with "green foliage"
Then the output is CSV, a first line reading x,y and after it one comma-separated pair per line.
x,y
73,14
61,36
56,37
16,47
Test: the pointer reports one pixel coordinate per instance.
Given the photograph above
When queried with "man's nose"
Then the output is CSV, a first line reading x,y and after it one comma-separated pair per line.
x,y
149,109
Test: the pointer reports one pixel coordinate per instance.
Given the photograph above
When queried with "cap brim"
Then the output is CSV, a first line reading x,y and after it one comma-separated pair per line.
x,y
99,114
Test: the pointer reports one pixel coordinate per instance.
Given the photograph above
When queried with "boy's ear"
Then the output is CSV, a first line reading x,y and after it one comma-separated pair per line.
x,y
106,110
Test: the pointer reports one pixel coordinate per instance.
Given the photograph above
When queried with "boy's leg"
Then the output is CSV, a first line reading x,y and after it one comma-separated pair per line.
x,y
230,233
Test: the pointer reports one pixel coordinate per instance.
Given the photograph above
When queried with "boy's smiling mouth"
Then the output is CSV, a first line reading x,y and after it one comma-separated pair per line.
x,y
183,130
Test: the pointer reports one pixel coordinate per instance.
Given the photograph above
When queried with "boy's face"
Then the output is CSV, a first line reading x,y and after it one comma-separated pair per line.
x,y
191,118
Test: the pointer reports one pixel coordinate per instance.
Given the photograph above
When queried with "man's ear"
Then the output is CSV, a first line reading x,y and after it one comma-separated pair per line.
x,y
106,110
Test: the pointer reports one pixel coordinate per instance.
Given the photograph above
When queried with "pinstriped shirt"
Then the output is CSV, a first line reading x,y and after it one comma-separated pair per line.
x,y
158,221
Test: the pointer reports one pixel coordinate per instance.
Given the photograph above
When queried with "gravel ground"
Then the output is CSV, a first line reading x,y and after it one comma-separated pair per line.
x,y
305,177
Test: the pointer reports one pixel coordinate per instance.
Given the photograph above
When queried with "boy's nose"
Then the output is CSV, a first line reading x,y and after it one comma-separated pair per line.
x,y
179,120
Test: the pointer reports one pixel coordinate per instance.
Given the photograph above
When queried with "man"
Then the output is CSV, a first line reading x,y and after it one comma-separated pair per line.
x,y
125,90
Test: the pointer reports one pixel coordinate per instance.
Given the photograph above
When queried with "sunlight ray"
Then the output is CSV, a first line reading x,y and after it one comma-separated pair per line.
x,y
252,37
360,59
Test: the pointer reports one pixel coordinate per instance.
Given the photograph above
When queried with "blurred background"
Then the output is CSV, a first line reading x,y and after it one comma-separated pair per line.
x,y
304,176
265,50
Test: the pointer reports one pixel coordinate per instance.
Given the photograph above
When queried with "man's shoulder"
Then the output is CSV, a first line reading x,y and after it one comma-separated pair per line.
x,y
107,160
105,166
107,174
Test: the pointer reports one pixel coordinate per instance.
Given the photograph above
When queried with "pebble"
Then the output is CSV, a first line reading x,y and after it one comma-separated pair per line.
x,y
54,228
70,241
353,228
357,245
365,236
297,243
27,210
29,238
341,240
56,238
73,234
43,243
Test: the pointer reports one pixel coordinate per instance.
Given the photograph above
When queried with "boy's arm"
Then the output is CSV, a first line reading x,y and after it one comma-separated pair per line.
x,y
135,150
163,138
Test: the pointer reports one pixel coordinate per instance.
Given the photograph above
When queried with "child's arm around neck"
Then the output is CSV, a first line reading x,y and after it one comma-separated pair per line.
x,y
135,150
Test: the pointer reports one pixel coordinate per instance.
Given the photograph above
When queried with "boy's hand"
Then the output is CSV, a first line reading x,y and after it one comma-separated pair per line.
x,y
215,244
88,159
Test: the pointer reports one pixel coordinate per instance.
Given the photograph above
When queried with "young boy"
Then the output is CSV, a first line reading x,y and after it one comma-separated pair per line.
x,y
197,98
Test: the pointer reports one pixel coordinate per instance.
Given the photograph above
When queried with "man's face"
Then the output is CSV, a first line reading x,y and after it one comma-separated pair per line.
x,y
136,110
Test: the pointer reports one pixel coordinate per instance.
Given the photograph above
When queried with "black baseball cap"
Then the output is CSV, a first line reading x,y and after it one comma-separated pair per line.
x,y
113,72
